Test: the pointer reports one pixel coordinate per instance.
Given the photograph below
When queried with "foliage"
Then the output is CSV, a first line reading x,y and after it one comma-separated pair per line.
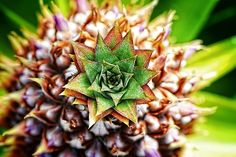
x,y
114,76
190,18
219,58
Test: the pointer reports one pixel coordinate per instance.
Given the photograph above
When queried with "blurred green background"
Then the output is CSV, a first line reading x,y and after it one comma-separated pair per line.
x,y
214,22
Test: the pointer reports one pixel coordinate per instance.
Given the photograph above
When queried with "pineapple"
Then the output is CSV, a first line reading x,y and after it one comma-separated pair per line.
x,y
102,82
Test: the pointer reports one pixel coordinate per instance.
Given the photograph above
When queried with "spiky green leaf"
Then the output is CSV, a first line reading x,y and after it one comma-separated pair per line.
x,y
143,75
83,51
103,52
80,84
134,90
113,37
116,97
127,77
107,66
92,69
127,109
116,69
126,65
95,85
143,57
103,104
125,49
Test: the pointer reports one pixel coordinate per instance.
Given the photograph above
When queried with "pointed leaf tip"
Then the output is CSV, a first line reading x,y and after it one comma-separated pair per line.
x,y
92,107
113,37
125,48
82,51
127,65
103,104
80,84
134,91
18,130
42,148
93,118
120,118
103,52
116,97
92,69
143,57
127,109
142,75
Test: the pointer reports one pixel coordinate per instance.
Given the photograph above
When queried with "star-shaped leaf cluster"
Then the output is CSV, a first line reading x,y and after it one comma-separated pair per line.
x,y
113,78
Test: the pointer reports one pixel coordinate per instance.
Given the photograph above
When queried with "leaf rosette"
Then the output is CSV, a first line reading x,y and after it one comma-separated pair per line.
x,y
113,77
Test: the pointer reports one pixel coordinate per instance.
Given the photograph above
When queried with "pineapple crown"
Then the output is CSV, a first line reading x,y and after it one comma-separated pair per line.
x,y
113,77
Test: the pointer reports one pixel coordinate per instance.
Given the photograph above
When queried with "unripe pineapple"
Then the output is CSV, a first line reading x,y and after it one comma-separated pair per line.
x,y
103,82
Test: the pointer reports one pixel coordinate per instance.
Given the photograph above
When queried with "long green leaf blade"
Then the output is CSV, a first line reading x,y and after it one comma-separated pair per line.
x,y
216,135
64,6
219,48
220,126
15,18
191,16
217,59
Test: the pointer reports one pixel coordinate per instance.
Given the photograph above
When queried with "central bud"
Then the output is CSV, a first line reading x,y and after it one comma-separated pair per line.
x,y
113,78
